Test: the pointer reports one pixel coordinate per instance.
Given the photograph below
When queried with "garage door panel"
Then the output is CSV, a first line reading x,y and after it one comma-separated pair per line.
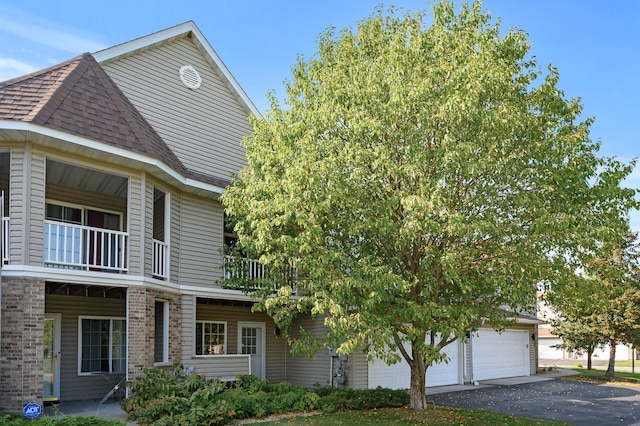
x,y
398,376
499,355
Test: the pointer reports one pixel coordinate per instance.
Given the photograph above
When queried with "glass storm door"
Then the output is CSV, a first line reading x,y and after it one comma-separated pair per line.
x,y
51,371
251,342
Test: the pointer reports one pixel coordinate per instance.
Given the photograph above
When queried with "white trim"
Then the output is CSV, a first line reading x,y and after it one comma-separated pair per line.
x,y
225,346
57,331
263,347
83,210
109,149
181,30
111,319
165,332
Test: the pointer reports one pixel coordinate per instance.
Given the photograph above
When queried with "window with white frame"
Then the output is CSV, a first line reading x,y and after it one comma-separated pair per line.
x,y
102,345
211,338
161,332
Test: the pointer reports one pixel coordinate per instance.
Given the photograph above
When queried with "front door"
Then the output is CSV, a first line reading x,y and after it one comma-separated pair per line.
x,y
251,342
51,376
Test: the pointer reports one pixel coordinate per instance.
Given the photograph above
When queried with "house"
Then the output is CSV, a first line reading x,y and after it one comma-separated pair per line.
x,y
111,166
549,343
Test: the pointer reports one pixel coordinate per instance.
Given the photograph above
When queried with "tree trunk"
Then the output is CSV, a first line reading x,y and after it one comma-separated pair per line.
x,y
589,354
612,359
417,399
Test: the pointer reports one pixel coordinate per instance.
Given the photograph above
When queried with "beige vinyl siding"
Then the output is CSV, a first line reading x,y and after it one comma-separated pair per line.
x,y
187,322
275,347
35,212
18,199
305,371
358,366
136,222
175,232
147,228
201,237
203,127
223,367
72,386
467,375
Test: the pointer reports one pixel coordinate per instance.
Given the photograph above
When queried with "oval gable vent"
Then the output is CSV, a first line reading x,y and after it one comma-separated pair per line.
x,y
190,77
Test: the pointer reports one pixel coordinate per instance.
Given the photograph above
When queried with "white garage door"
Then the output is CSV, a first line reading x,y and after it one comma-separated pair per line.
x,y
496,356
398,376
547,351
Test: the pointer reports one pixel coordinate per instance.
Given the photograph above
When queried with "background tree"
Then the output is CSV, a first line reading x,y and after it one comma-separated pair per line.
x,y
579,332
419,179
602,304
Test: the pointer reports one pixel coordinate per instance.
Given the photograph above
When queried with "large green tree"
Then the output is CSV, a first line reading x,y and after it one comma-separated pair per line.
x,y
419,178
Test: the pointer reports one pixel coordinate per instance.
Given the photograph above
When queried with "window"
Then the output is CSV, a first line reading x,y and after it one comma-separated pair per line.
x,y
161,332
103,345
66,214
211,338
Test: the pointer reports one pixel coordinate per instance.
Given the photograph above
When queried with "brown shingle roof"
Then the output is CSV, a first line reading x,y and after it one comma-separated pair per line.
x,y
78,97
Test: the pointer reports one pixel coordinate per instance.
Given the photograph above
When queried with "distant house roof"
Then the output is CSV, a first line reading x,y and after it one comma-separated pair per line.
x,y
545,333
79,98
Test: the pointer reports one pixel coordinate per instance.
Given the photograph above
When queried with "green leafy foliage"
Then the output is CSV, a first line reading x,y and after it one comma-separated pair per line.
x,y
602,304
420,179
160,398
332,400
18,420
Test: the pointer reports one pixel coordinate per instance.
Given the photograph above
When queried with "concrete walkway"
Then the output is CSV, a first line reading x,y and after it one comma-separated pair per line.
x,y
109,410
510,381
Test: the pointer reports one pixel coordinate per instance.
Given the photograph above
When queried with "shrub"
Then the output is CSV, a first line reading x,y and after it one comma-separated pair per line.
x,y
160,398
361,399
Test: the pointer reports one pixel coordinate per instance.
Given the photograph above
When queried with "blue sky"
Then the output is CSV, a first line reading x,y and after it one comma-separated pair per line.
x,y
595,44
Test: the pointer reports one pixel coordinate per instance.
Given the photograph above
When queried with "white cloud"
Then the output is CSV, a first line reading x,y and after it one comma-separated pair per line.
x,y
10,68
51,37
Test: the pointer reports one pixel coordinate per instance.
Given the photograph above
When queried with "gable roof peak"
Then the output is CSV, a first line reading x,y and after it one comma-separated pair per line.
x,y
186,29
78,97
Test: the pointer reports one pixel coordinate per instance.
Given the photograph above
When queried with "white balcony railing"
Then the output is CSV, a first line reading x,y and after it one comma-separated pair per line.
x,y
5,240
85,247
250,269
160,259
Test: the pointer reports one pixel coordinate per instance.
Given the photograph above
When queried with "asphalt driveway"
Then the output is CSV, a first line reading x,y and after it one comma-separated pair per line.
x,y
565,401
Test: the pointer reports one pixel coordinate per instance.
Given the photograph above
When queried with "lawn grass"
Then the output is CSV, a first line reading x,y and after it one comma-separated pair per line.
x,y
627,363
597,376
404,416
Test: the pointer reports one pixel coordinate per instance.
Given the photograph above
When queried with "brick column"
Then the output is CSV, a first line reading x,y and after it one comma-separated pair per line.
x,y
22,344
141,328
136,333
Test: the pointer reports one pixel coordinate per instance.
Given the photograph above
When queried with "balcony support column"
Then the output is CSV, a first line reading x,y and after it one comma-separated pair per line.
x,y
22,345
141,328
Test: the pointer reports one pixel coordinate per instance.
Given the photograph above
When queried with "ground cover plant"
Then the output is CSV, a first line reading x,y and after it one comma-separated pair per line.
x,y
18,420
162,398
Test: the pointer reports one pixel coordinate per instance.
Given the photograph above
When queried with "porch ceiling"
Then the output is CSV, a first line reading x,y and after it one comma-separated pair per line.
x,y
85,290
86,179
224,302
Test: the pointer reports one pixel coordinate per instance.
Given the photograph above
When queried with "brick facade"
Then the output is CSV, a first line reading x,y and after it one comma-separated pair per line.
x,y
141,324
21,345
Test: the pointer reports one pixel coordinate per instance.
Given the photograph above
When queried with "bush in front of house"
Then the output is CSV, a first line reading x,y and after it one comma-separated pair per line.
x,y
161,398
333,400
